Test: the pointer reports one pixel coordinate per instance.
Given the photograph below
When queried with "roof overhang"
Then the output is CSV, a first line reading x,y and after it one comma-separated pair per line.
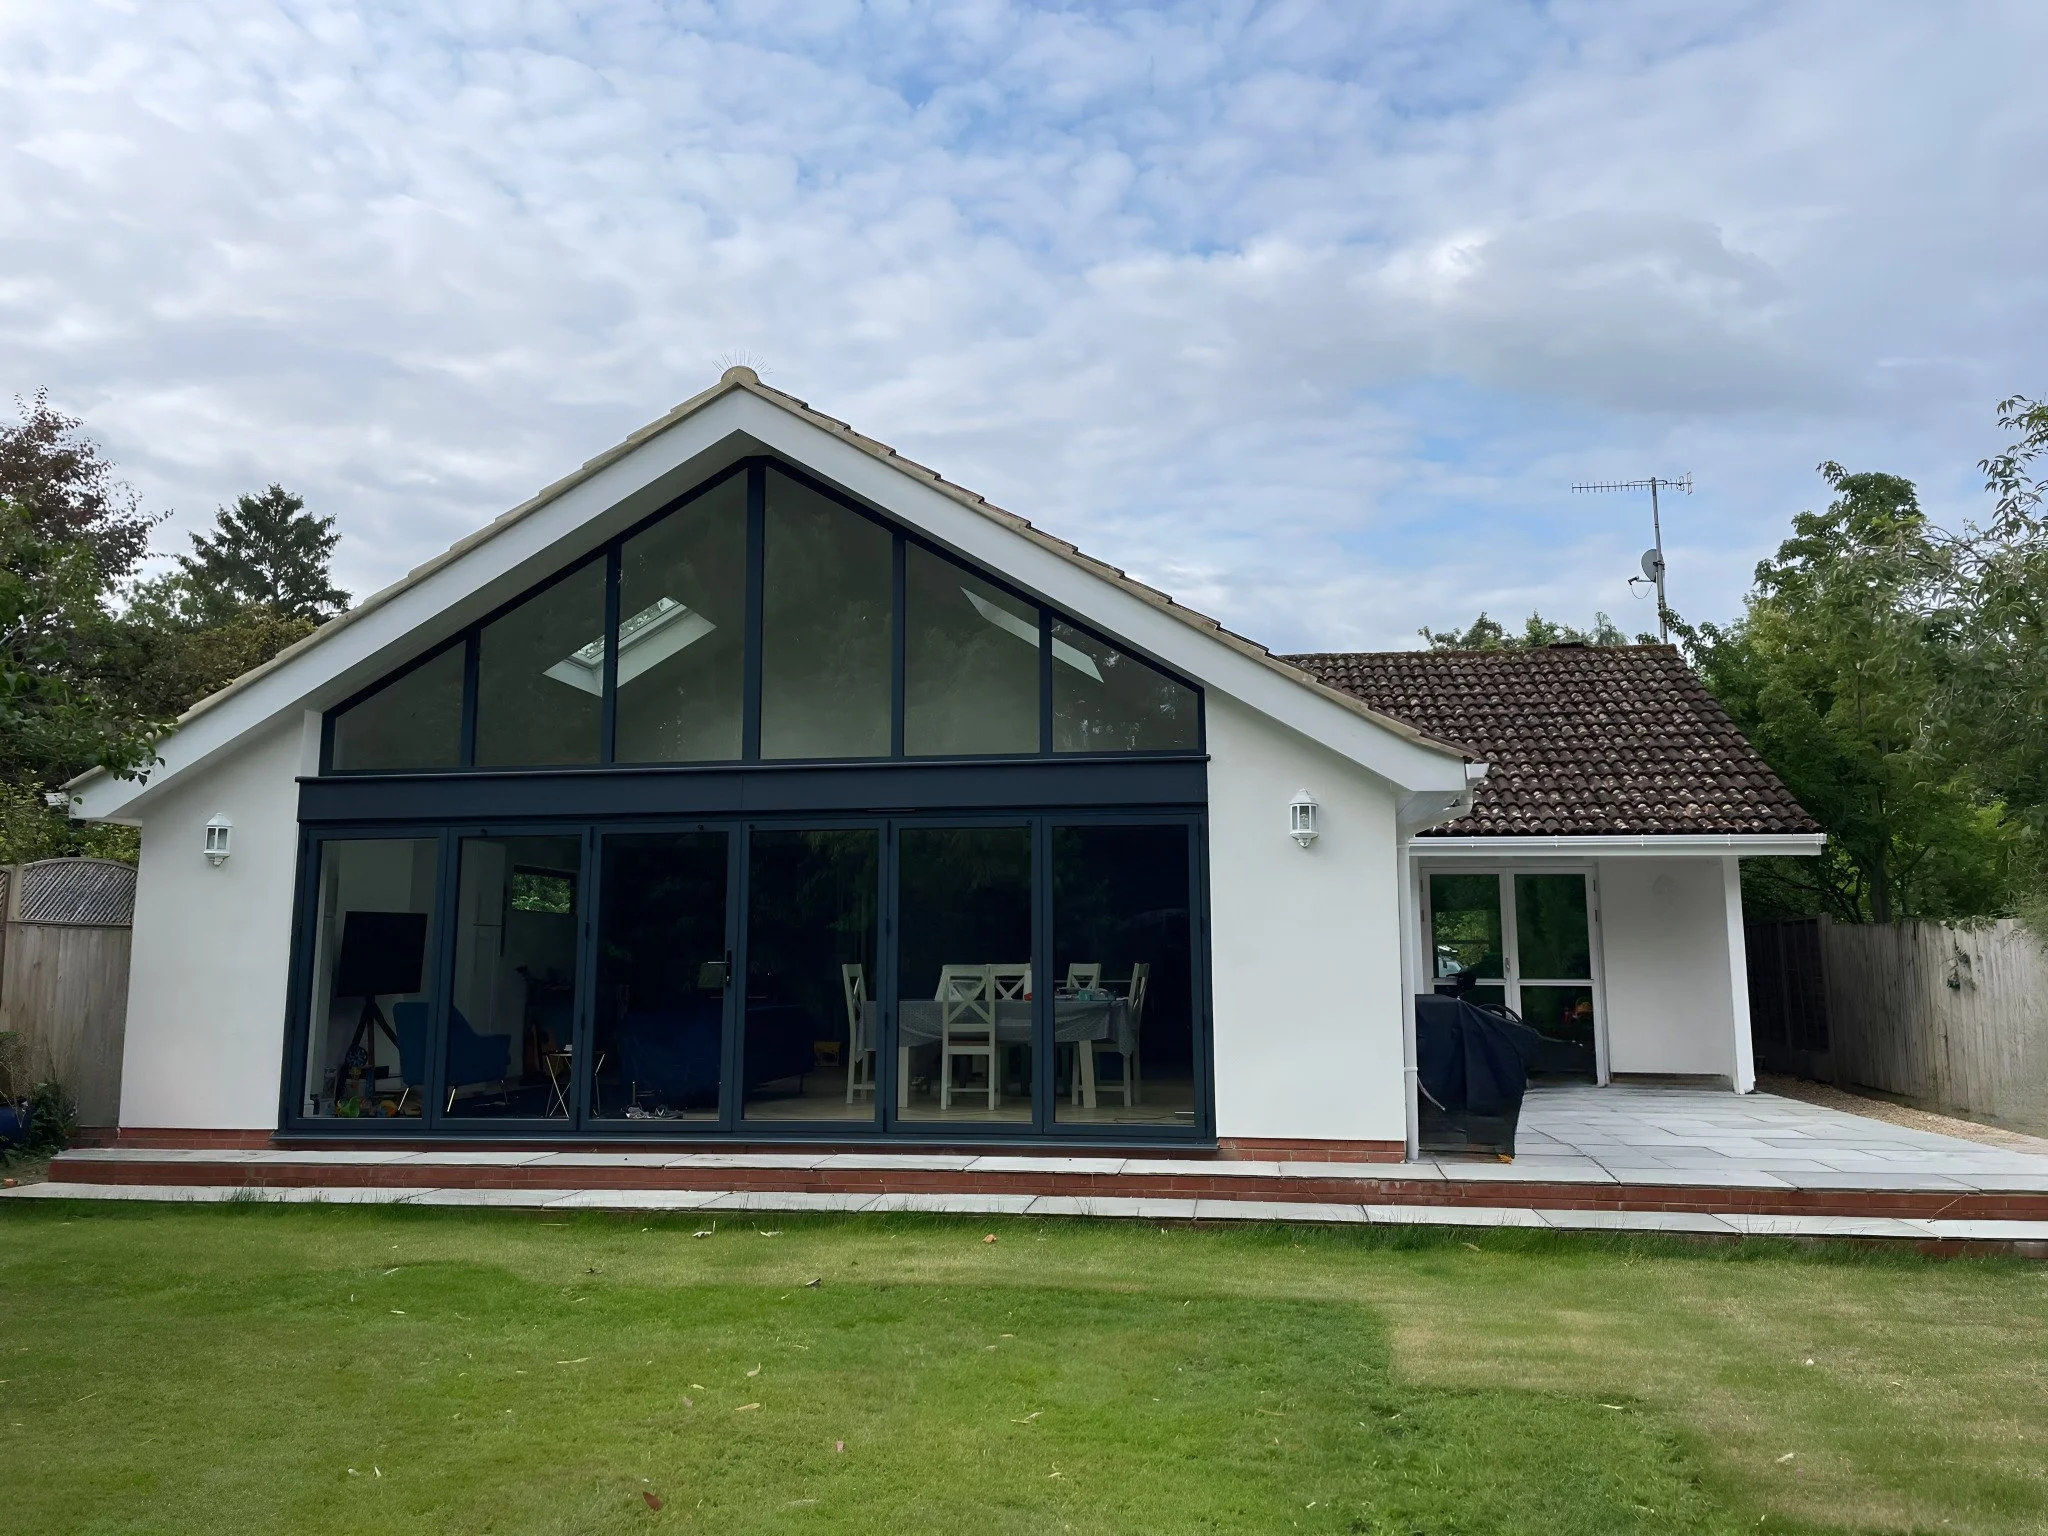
x,y
737,418
1746,845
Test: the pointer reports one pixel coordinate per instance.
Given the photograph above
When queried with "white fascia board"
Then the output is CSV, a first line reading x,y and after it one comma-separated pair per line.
x,y
1101,603
445,600
1634,845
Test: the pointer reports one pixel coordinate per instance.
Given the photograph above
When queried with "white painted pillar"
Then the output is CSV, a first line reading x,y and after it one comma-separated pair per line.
x,y
1744,1074
1408,878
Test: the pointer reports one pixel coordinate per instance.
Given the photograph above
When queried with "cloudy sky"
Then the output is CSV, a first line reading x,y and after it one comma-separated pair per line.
x,y
1309,313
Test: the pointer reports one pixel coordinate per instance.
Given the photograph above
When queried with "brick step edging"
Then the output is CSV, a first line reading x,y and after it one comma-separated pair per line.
x,y
1364,1189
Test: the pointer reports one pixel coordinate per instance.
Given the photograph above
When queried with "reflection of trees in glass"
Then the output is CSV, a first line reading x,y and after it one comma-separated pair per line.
x,y
535,703
1120,898
682,632
825,662
1550,926
810,909
663,916
1125,706
413,721
1465,922
965,895
970,663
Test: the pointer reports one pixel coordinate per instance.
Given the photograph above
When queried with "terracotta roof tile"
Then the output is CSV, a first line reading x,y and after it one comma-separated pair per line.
x,y
1580,740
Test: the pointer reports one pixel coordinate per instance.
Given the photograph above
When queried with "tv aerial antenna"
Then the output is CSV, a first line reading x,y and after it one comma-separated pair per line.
x,y
1653,557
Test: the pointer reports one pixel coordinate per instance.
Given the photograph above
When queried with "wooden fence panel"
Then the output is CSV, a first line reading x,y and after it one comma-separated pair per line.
x,y
1955,1018
64,950
64,990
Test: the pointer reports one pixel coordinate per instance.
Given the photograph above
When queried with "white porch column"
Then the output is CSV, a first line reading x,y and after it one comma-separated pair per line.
x,y
1744,1074
1410,878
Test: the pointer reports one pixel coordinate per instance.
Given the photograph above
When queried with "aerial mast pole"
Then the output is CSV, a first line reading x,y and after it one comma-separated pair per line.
x,y
1653,557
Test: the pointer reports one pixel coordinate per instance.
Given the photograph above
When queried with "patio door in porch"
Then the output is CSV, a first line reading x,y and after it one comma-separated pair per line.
x,y
1522,941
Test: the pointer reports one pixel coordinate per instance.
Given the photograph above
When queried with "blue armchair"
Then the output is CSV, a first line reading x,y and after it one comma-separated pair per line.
x,y
472,1058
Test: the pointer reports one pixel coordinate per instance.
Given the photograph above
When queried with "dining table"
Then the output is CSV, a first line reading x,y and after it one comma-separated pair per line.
x,y
1075,1021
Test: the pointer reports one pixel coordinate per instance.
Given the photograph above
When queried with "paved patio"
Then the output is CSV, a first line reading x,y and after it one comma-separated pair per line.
x,y
1624,1158
1642,1134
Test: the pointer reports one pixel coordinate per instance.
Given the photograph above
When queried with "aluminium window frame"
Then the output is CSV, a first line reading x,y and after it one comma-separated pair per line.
x,y
730,1125
756,468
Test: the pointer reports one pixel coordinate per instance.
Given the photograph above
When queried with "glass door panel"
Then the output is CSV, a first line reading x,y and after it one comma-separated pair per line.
x,y
808,1040
964,985
663,976
373,965
1123,996
1467,939
510,1038
1554,969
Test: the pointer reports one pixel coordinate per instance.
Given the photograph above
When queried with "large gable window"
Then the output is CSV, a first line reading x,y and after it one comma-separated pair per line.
x,y
765,618
540,677
825,628
412,721
970,666
1105,700
682,633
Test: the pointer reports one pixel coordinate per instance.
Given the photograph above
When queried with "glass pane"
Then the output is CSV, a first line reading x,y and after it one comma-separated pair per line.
x,y
658,1050
1123,1011
1464,928
1105,701
809,1048
1564,1017
540,677
825,646
366,1053
682,632
963,1011
1552,941
970,663
413,721
511,1031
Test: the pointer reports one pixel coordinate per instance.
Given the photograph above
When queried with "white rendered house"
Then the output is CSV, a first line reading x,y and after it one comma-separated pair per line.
x,y
754,783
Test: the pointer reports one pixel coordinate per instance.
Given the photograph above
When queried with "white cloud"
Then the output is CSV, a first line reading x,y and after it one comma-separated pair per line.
x,y
1309,313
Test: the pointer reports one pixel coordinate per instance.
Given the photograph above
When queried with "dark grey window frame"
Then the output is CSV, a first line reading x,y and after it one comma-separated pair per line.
x,y
756,470
731,1124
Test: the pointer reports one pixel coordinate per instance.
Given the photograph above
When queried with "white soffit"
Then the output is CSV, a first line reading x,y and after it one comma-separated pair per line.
x,y
737,417
1748,845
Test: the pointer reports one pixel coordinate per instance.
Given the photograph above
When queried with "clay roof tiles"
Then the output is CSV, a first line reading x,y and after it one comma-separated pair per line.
x,y
1580,740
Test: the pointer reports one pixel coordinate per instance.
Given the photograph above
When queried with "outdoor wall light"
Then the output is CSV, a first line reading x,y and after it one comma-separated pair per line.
x,y
217,831
1301,818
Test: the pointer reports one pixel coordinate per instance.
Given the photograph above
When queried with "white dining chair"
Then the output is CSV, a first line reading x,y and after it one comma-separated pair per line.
x,y
1010,983
967,1027
1134,995
1081,1066
1084,974
860,1051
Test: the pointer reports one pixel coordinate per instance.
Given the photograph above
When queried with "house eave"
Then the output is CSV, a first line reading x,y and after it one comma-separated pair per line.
x,y
1638,845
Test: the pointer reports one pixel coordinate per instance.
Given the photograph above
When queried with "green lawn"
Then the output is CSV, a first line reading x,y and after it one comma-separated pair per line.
x,y
266,1368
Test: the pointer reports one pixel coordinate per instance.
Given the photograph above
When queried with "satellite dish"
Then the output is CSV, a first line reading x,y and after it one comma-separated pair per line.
x,y
1653,565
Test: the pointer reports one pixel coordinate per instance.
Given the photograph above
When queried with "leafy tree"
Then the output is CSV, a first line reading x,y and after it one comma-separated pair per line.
x,y
1489,634
267,552
1993,604
50,593
67,491
1837,673
164,654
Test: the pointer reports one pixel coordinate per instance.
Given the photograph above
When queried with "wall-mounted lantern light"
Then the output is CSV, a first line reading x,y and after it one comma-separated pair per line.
x,y
1301,818
217,831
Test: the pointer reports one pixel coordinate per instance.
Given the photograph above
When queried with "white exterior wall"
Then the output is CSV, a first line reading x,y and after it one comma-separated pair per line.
x,y
212,950
1677,999
1305,944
